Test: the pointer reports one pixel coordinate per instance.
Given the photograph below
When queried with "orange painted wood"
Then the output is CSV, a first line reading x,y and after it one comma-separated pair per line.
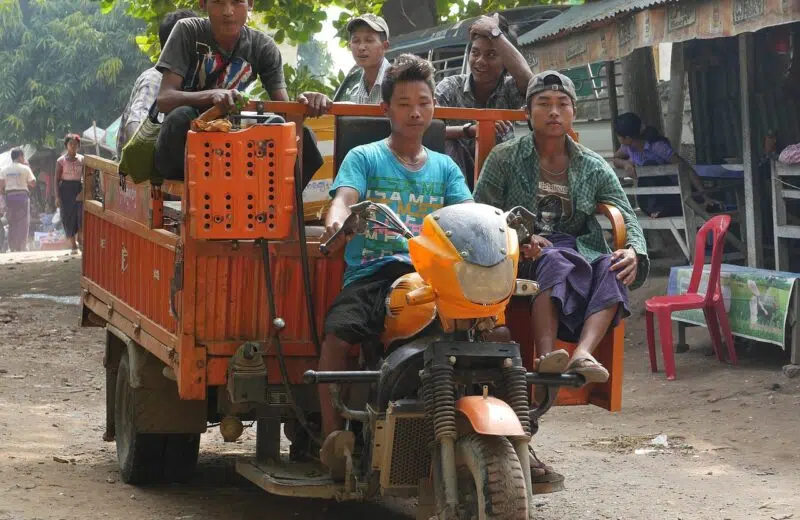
x,y
136,327
610,353
129,266
158,236
350,109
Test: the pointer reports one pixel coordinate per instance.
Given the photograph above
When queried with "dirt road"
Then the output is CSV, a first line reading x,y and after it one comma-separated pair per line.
x,y
732,433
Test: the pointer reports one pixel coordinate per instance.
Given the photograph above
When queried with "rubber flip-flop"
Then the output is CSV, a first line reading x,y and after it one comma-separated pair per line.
x,y
592,371
553,362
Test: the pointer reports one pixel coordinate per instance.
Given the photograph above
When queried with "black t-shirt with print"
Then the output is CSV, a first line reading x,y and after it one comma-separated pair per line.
x,y
192,53
553,203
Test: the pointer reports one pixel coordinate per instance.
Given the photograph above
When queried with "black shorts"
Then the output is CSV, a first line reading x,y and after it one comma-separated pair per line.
x,y
359,311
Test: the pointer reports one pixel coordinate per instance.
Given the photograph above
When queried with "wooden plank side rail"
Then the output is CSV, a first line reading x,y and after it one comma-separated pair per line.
x,y
485,119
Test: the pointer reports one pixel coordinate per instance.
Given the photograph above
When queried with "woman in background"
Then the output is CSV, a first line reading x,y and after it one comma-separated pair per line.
x,y
642,145
69,189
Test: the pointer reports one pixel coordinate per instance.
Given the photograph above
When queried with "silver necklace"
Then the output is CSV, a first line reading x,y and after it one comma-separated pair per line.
x,y
408,162
554,174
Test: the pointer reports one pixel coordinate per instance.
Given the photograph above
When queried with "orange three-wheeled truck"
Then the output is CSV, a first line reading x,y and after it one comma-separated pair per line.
x,y
213,292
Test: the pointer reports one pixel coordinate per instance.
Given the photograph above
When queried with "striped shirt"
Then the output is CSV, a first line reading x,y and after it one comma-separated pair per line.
x,y
361,95
143,95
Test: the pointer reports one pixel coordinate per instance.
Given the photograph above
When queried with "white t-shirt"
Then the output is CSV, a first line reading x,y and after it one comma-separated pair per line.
x,y
17,176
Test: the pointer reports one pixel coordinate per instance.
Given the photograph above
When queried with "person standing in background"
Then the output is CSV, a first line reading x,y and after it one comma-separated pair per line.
x,y
16,181
69,190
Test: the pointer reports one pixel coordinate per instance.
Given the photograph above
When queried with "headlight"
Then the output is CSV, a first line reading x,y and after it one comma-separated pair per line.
x,y
486,285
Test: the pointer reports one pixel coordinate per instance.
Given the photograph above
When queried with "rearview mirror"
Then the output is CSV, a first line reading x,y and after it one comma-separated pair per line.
x,y
523,221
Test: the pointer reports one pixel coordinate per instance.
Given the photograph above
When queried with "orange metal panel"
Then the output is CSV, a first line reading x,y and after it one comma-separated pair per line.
x,y
241,184
609,352
129,267
232,303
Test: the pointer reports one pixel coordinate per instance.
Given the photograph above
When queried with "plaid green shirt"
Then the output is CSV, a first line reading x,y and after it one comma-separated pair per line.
x,y
510,177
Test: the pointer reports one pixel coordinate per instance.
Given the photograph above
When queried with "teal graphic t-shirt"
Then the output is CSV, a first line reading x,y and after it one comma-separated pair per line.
x,y
377,175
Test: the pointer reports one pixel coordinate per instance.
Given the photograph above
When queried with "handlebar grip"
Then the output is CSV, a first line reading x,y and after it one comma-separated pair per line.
x,y
324,247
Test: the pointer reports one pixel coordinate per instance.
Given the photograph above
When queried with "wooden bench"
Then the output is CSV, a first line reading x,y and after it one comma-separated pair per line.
x,y
683,227
783,190
676,225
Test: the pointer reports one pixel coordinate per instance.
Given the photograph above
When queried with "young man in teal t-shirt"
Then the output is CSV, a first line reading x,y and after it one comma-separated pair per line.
x,y
401,173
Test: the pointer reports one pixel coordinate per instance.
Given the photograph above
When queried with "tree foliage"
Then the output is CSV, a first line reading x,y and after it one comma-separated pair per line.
x,y
314,54
63,64
299,21
302,79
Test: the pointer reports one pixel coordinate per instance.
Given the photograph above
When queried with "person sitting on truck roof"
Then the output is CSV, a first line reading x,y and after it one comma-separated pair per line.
x,y
208,62
369,41
145,89
498,78
411,179
583,284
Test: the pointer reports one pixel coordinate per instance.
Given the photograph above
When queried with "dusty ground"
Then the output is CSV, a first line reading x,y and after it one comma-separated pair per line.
x,y
733,432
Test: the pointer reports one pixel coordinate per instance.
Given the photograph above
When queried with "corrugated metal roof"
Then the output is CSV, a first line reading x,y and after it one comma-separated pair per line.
x,y
521,19
583,15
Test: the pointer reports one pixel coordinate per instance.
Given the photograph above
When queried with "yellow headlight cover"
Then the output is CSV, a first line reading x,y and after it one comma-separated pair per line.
x,y
486,285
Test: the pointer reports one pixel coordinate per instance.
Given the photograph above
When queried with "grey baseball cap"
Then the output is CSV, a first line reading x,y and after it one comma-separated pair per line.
x,y
374,21
550,80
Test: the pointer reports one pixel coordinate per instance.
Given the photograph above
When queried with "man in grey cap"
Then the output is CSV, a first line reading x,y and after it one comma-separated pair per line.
x,y
583,285
369,41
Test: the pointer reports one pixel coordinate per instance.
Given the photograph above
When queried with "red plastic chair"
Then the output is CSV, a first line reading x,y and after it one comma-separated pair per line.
x,y
712,302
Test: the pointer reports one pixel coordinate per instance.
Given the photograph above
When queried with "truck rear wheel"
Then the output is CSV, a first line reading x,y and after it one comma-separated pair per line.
x,y
490,479
145,458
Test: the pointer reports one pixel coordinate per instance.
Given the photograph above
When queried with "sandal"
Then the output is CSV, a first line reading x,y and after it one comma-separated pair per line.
x,y
551,363
543,477
587,366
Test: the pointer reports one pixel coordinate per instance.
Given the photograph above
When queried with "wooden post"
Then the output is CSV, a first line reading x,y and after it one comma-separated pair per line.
x,y
675,112
640,87
484,142
611,82
96,142
755,254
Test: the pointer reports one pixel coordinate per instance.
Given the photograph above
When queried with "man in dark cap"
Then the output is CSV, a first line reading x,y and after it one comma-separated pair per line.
x,y
583,284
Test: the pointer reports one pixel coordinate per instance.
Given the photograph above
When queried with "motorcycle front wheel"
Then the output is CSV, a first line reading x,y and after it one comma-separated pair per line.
x,y
491,483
